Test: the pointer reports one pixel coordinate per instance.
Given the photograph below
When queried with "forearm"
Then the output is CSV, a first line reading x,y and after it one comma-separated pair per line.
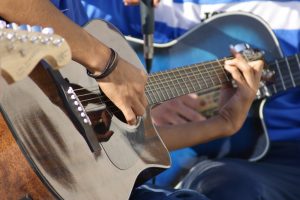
x,y
193,133
85,49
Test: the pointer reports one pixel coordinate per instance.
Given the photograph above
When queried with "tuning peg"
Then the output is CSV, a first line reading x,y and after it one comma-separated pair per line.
x,y
2,24
239,47
25,27
36,28
48,31
13,26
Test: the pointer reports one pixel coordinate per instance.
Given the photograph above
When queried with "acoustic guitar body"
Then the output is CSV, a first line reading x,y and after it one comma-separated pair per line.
x,y
51,151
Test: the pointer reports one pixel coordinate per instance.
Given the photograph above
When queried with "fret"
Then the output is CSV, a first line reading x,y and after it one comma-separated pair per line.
x,y
153,87
178,83
190,71
151,96
183,83
171,95
296,72
285,73
290,72
175,82
202,77
297,58
155,95
198,77
209,75
163,92
223,72
280,75
216,72
187,80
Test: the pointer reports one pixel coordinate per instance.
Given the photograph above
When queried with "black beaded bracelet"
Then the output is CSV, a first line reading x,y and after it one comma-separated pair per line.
x,y
110,66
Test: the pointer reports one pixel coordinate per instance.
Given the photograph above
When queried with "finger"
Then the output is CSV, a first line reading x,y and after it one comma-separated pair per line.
x,y
188,113
143,100
236,75
192,101
245,68
129,115
131,2
138,108
257,66
176,119
156,2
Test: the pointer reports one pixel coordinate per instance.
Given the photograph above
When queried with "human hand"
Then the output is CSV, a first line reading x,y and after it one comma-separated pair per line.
x,y
177,111
136,2
235,102
125,87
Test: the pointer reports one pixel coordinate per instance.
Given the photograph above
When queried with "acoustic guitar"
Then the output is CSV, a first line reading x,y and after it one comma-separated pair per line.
x,y
77,141
210,40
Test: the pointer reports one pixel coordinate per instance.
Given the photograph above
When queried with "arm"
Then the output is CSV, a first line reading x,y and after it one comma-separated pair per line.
x,y
125,91
232,113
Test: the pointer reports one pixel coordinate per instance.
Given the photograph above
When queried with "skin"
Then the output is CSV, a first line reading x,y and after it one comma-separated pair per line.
x,y
136,2
177,111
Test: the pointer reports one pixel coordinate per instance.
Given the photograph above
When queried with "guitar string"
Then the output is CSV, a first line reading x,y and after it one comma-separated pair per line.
x,y
156,88
97,98
151,83
109,100
147,91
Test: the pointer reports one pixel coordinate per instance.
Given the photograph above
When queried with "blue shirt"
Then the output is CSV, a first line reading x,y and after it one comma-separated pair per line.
x,y
73,9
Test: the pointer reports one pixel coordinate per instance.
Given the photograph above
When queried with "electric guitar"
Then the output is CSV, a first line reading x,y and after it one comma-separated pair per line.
x,y
210,40
77,140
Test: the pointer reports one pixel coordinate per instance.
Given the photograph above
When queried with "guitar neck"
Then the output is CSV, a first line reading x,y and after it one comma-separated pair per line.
x,y
200,78
287,72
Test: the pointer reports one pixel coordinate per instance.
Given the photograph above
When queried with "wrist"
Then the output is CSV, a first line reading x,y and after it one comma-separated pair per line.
x,y
98,60
109,66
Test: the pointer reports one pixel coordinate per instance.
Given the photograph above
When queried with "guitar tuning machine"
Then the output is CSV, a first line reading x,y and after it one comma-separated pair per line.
x,y
2,24
46,37
247,51
48,31
12,26
25,27
239,47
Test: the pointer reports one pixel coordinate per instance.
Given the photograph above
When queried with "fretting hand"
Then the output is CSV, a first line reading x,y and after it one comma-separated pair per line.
x,y
235,102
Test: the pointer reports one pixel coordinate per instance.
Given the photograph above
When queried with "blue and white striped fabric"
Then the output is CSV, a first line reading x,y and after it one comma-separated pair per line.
x,y
175,17
73,9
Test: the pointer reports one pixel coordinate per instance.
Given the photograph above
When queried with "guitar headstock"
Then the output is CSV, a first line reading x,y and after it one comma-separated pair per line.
x,y
23,46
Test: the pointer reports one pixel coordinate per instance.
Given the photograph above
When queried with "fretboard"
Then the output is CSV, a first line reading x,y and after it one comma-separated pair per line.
x,y
287,73
200,78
